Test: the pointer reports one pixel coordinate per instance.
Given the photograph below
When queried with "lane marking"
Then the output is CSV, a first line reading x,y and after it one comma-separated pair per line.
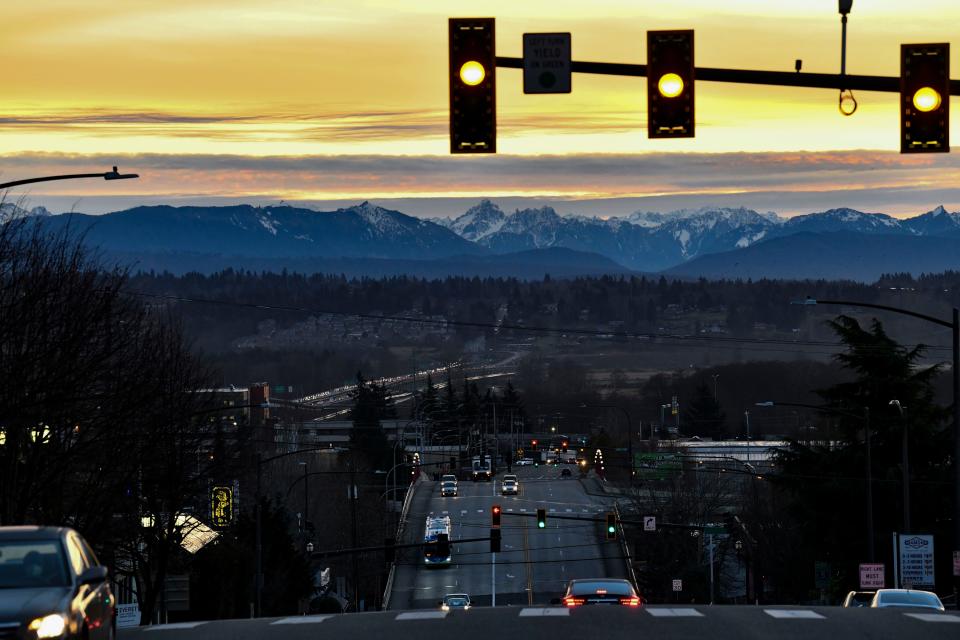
x,y
422,615
523,510
543,612
675,612
509,510
446,513
934,617
479,510
301,620
793,614
174,626
569,510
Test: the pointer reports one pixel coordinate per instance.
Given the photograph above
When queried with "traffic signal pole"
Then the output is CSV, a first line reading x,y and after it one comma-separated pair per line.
x,y
887,84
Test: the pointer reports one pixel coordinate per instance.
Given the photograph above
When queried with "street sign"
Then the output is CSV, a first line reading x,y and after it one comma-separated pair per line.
x,y
221,506
678,585
546,63
916,561
649,523
872,576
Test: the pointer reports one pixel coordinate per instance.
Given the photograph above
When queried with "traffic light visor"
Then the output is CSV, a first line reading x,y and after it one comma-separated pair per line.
x,y
670,85
472,73
926,99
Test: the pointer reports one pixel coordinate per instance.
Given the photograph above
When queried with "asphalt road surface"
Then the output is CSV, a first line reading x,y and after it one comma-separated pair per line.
x,y
534,564
604,623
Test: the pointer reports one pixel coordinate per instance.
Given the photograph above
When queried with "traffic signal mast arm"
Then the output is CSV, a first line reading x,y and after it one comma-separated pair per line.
x,y
889,84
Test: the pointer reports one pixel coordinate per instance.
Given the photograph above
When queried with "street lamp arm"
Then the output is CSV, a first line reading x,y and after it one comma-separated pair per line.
x,y
883,307
107,175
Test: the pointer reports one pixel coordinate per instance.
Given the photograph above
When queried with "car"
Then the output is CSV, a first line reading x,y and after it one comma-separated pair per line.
x,y
510,476
509,487
906,598
565,473
859,599
600,591
449,478
524,462
448,489
455,601
53,586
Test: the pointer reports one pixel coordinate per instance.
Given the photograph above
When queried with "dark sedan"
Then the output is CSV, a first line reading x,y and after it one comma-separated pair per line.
x,y
600,591
52,586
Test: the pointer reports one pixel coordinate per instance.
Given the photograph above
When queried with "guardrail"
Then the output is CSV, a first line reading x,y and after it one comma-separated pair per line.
x,y
388,588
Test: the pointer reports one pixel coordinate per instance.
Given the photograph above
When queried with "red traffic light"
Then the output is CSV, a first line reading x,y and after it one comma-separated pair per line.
x,y
495,515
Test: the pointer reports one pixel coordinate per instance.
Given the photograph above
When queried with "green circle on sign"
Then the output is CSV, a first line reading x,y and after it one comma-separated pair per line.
x,y
547,79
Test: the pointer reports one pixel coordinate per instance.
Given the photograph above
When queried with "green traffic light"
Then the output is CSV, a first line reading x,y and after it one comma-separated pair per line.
x,y
611,529
541,524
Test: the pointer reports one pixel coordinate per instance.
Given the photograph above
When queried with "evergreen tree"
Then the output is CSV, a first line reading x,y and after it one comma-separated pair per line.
x,y
703,416
371,403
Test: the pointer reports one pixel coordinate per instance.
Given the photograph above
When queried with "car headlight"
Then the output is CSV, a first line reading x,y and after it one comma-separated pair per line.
x,y
51,626
445,608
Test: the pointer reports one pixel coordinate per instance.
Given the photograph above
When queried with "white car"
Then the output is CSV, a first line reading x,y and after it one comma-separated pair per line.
x,y
448,489
509,488
449,478
524,462
906,598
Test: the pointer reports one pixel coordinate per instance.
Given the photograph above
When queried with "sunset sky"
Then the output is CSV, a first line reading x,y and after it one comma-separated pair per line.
x,y
339,101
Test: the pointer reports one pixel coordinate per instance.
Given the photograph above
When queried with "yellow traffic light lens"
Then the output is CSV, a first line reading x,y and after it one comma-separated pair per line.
x,y
670,85
472,73
926,99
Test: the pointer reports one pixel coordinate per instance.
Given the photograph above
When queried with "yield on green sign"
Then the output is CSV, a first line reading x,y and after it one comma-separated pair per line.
x,y
546,63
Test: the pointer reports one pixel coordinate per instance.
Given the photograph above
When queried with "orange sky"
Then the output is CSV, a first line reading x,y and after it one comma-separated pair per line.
x,y
145,83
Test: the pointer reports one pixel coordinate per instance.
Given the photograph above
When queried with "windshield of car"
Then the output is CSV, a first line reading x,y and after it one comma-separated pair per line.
x,y
457,601
28,564
910,598
601,587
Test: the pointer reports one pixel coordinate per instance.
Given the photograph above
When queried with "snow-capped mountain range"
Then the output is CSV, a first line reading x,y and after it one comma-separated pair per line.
x,y
651,241
274,237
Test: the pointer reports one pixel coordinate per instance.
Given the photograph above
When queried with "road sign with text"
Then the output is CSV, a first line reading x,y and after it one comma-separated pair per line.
x,y
916,561
872,576
678,585
546,63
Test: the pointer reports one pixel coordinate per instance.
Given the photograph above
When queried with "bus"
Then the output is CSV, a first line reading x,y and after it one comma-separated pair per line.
x,y
437,550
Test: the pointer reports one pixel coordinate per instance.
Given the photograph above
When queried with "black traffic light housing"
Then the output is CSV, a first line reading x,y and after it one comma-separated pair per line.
x,y
473,85
494,540
443,545
670,81
541,518
925,98
495,515
611,529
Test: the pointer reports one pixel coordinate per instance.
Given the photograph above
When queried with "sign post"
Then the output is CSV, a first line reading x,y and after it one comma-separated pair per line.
x,y
546,63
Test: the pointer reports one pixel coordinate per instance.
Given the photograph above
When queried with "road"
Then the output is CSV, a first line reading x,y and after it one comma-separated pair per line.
x,y
534,564
608,623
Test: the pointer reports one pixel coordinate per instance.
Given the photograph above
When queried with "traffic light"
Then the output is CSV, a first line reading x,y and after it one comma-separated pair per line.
x,y
564,445
389,549
443,545
670,79
473,86
495,515
541,518
494,540
611,526
533,444
924,98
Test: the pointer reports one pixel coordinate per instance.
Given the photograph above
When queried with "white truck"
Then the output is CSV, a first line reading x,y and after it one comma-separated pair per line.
x,y
482,468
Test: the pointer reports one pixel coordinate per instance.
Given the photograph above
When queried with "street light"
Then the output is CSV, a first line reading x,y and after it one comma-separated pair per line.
x,y
866,427
954,326
107,175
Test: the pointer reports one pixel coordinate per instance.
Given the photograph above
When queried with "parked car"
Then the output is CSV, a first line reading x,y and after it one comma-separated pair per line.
x,y
859,599
53,586
600,591
455,601
906,598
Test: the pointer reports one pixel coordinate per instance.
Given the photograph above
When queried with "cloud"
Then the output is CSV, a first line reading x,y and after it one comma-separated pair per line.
x,y
842,178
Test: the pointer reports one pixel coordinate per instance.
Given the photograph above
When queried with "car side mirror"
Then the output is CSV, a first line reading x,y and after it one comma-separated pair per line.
x,y
94,575
556,601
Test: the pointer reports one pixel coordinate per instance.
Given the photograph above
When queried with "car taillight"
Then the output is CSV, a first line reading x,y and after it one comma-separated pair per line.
x,y
630,602
570,601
